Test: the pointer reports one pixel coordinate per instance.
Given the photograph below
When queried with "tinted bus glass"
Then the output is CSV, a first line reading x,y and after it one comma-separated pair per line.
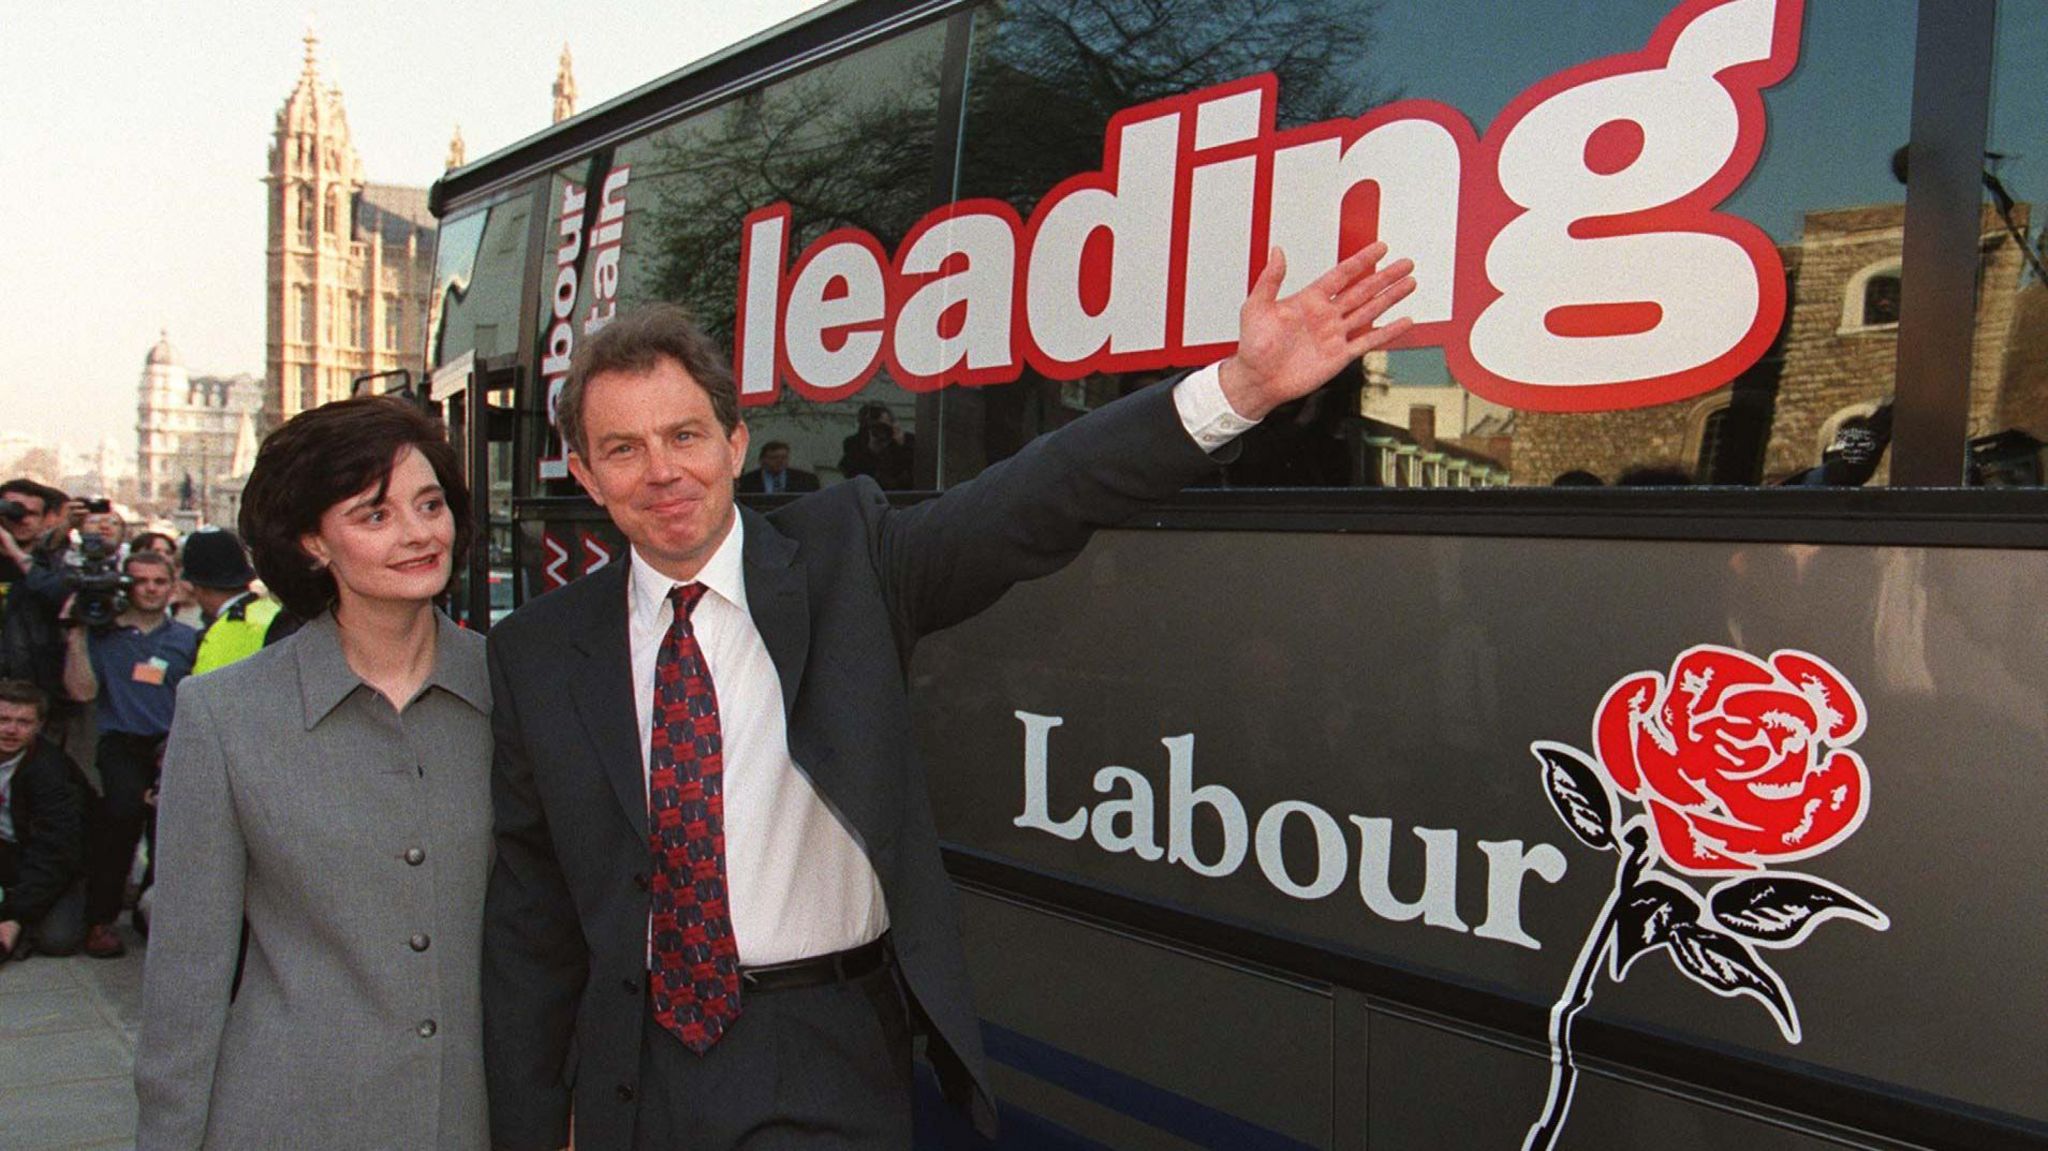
x,y
479,268
661,217
2008,413
1806,402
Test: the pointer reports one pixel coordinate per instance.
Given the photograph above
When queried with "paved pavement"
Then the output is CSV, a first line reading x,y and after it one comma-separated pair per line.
x,y
67,1043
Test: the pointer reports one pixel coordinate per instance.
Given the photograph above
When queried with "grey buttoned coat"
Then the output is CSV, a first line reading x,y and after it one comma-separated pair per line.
x,y
355,840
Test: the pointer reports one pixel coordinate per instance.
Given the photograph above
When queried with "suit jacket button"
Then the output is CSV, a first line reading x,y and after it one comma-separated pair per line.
x,y
426,1029
625,1093
419,941
640,880
414,856
631,986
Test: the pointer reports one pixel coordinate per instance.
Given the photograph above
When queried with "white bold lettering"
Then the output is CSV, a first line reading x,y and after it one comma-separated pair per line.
x,y
1414,166
1135,217
1438,904
1657,298
1136,806
764,248
1037,815
1330,862
839,291
1506,866
611,213
1182,797
1218,269
981,249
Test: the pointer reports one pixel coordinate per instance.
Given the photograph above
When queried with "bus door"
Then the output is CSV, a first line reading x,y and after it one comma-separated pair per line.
x,y
475,396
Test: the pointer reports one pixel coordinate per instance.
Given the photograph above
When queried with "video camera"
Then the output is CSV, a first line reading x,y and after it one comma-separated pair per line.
x,y
92,570
12,512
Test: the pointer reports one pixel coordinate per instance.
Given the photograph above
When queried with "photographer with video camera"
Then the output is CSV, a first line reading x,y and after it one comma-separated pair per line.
x,y
27,510
124,651
31,643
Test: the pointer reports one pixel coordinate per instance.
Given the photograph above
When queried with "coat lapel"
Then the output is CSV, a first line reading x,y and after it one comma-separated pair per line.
x,y
603,692
778,602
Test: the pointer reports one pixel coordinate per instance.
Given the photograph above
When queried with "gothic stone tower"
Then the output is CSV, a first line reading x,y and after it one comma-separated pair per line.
x,y
350,263
565,87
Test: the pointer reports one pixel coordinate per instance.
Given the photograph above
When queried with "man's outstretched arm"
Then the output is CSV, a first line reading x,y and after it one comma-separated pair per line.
x,y
1025,517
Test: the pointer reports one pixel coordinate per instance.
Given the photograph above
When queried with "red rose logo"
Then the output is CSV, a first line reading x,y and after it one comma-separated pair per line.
x,y
1742,762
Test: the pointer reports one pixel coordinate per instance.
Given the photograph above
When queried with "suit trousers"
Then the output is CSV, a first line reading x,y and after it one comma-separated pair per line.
x,y
803,1067
128,768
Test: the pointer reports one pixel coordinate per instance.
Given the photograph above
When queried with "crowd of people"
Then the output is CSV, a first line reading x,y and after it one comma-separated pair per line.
x,y
97,630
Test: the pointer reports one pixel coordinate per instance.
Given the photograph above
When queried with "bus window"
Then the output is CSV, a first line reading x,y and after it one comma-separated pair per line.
x,y
849,143
479,265
1650,353
2008,412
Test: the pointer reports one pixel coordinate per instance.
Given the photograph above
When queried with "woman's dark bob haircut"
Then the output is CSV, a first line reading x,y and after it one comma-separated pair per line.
x,y
322,457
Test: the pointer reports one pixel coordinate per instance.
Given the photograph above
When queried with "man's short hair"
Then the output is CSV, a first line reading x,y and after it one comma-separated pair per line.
x,y
52,498
145,557
774,446
25,694
635,342
322,457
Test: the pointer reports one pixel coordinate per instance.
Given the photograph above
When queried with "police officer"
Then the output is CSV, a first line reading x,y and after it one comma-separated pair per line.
x,y
236,621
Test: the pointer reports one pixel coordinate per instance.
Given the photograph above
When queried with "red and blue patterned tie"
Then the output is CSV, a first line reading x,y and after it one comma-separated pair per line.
x,y
694,970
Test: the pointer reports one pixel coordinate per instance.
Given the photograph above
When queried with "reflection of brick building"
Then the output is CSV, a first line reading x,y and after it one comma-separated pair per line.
x,y
350,266
1835,357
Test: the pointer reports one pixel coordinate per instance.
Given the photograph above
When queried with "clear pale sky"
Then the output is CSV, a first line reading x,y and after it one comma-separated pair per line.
x,y
132,150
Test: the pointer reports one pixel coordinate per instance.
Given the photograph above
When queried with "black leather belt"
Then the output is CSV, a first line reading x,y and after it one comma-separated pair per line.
x,y
817,970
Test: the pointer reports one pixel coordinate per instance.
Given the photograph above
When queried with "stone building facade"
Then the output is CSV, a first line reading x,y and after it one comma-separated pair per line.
x,y
1835,358
193,435
349,263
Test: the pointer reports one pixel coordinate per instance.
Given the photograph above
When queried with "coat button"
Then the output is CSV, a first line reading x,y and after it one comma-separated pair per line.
x,y
625,1093
414,856
426,1029
640,880
419,941
631,986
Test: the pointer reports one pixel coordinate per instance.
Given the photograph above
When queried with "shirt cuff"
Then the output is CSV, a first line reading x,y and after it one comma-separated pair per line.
x,y
1207,416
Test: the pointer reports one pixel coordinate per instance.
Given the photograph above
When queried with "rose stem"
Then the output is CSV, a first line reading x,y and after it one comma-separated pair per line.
x,y
1564,1072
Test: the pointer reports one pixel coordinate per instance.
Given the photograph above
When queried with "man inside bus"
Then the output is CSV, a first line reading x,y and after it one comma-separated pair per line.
x,y
775,476
682,963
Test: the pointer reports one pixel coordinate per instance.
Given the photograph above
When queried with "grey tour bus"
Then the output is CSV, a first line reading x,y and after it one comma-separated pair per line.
x,y
1615,717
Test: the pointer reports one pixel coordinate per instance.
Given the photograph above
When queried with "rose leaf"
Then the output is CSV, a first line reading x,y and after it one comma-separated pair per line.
x,y
1645,918
1780,909
1578,793
1728,967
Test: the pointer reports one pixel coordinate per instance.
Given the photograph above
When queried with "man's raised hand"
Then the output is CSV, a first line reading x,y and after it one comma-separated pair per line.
x,y
1289,348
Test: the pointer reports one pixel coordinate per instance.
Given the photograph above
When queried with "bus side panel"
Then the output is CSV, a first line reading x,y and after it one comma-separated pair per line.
x,y
1349,746
1093,1030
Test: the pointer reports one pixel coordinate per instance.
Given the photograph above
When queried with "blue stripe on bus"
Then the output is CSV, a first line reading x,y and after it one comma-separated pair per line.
x,y
1178,1115
940,1127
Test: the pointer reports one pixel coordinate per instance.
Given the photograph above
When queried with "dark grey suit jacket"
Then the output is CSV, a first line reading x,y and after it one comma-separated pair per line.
x,y
841,586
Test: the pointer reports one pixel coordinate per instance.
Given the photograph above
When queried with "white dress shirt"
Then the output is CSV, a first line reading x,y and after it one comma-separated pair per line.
x,y
797,883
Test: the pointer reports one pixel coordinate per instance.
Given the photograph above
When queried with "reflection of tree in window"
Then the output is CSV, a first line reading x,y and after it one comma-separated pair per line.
x,y
1881,299
848,145
1046,77
1048,74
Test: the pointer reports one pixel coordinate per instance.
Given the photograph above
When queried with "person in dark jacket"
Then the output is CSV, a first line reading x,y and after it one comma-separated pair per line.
x,y
775,476
880,449
43,804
